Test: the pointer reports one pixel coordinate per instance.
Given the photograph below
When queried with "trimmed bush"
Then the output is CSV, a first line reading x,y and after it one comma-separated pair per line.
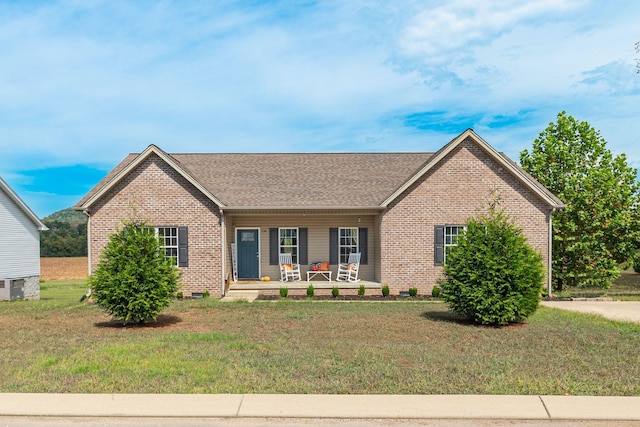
x,y
413,291
310,290
134,281
435,292
385,291
335,292
493,276
361,291
284,291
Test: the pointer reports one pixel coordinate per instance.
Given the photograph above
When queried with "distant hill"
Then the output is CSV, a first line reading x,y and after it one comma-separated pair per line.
x,y
67,234
71,217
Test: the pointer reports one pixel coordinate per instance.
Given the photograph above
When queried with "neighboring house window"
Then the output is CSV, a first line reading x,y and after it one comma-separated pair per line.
x,y
174,243
446,237
289,242
347,242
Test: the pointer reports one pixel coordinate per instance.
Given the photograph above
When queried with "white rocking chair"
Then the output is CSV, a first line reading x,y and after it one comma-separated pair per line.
x,y
289,270
349,271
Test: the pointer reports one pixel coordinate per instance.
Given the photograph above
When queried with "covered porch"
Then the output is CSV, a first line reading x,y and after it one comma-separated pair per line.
x,y
299,287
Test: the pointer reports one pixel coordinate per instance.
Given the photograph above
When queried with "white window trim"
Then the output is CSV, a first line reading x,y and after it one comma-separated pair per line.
x,y
340,245
165,247
296,255
444,240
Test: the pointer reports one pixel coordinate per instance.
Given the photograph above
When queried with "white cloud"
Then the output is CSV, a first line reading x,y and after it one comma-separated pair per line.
x,y
91,81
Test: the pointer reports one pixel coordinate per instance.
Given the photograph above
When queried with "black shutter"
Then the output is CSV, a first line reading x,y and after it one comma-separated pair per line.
x,y
333,246
183,247
274,246
302,246
363,244
439,245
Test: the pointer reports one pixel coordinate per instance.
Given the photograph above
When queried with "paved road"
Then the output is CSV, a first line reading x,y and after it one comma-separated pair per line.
x,y
279,422
616,310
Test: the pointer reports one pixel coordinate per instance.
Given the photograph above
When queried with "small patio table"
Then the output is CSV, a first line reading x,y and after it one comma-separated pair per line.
x,y
312,274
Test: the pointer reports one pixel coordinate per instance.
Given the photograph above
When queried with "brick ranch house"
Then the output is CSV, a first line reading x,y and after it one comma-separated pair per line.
x,y
399,210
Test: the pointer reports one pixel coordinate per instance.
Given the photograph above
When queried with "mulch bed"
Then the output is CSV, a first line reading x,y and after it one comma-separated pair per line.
x,y
349,298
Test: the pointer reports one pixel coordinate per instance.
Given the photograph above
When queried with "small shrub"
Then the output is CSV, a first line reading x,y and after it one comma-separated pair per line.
x,y
179,295
413,291
361,291
335,292
435,292
134,281
385,291
310,290
206,294
493,276
284,291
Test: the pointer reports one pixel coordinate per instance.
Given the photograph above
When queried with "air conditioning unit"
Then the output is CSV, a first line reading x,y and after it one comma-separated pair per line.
x,y
11,289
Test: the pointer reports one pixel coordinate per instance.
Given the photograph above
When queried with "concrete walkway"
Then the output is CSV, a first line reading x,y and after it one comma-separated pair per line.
x,y
616,310
619,408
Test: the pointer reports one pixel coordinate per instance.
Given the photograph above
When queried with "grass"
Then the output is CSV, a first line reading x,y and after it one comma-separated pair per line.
x,y
58,344
626,287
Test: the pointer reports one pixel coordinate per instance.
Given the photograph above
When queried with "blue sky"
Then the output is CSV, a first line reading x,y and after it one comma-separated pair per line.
x,y
83,83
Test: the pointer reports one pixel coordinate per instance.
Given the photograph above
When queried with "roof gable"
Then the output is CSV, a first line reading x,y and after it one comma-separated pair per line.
x,y
22,205
132,162
503,160
306,180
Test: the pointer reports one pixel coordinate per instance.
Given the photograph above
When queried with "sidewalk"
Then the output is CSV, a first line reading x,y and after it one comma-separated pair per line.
x,y
620,408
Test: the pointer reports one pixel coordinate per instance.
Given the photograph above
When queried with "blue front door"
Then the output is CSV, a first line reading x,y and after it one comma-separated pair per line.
x,y
248,253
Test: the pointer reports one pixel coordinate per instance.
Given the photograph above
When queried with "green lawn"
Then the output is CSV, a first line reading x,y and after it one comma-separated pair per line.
x,y
58,344
626,287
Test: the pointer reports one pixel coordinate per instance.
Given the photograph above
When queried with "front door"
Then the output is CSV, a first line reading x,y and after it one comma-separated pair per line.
x,y
248,253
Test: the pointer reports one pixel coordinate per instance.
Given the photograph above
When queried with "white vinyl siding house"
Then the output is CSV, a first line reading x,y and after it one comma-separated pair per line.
x,y
20,249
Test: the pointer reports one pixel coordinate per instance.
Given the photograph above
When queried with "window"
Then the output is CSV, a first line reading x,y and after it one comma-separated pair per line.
x,y
288,242
347,242
446,237
174,241
169,242
451,234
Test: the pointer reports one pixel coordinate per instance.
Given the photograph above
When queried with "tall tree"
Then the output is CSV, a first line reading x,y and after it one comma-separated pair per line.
x,y
598,230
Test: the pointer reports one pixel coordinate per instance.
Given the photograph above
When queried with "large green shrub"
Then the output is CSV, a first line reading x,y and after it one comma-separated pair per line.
x,y
493,276
134,281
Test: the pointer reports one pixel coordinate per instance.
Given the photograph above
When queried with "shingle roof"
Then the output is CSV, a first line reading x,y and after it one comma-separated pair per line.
x,y
303,180
327,180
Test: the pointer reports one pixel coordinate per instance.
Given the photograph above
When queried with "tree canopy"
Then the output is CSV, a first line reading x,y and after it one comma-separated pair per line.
x,y
598,230
67,234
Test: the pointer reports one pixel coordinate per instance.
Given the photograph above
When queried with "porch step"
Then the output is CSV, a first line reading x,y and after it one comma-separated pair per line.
x,y
236,295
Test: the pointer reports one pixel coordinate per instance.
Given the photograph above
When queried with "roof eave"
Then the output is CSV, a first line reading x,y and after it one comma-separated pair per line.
x,y
302,208
551,200
151,149
23,206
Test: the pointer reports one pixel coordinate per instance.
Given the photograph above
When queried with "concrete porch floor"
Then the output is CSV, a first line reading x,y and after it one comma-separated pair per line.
x,y
250,290
302,284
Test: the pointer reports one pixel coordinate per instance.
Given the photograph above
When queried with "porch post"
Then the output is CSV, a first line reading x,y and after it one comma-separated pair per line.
x,y
222,250
550,252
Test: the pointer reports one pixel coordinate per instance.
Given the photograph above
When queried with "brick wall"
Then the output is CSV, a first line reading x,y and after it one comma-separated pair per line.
x,y
457,189
157,193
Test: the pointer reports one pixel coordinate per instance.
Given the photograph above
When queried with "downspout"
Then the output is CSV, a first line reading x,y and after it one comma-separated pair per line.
x,y
222,249
550,253
88,241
